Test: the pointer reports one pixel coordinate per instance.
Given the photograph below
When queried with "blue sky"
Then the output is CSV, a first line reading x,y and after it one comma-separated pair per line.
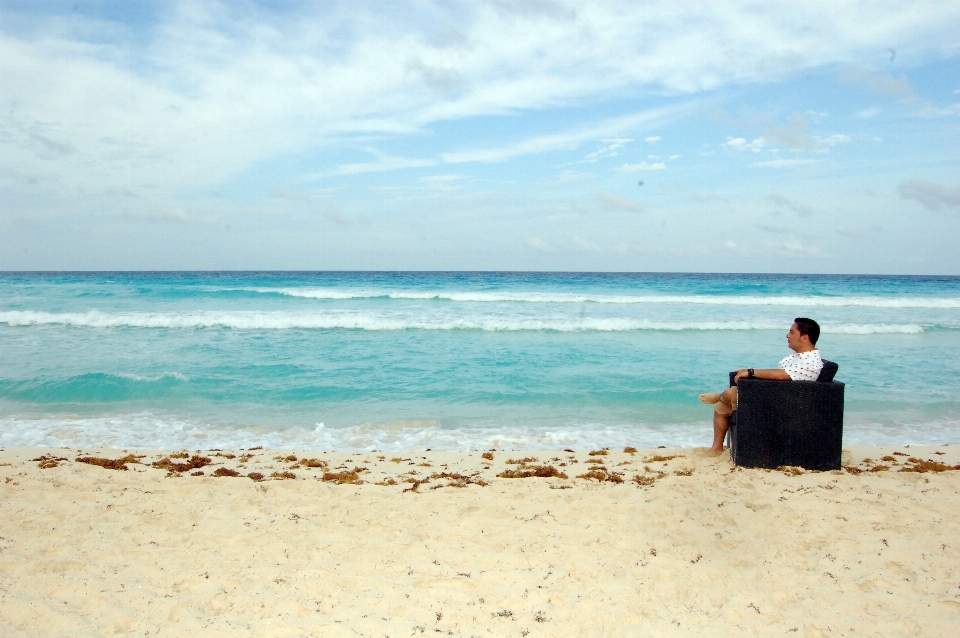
x,y
764,136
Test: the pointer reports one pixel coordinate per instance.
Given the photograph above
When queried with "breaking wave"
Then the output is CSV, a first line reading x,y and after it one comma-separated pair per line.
x,y
248,320
544,297
145,430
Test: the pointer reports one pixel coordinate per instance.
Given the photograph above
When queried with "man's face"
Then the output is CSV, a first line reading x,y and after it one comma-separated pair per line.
x,y
794,338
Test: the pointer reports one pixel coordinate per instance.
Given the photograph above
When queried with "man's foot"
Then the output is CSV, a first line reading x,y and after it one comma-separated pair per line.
x,y
710,398
709,452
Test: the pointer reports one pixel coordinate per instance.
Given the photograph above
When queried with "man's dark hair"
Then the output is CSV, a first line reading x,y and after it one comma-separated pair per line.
x,y
808,327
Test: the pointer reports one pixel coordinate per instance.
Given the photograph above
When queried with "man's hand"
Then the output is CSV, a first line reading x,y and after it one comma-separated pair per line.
x,y
740,374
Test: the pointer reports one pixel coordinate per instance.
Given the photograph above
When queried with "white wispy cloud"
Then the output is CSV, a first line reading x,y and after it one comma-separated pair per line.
x,y
933,196
440,179
800,209
585,245
541,246
334,214
834,140
785,163
795,248
568,139
618,202
627,169
571,177
884,82
385,163
611,149
741,144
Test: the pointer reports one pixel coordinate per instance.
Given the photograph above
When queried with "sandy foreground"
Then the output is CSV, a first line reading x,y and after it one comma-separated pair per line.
x,y
682,546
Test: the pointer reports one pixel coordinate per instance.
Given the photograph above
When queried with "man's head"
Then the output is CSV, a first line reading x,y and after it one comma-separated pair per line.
x,y
803,335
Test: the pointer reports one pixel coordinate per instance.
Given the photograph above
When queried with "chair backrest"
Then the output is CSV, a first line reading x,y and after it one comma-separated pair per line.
x,y
828,372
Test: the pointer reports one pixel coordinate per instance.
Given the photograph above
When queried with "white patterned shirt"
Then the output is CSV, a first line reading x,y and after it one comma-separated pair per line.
x,y
803,366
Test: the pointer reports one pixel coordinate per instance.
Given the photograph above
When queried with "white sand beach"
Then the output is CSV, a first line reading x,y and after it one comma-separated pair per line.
x,y
684,546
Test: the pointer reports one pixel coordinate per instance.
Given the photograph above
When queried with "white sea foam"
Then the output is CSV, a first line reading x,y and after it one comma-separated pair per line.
x,y
149,431
241,320
167,375
538,297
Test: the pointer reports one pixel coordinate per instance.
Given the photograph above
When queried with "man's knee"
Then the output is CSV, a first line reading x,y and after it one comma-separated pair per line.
x,y
729,396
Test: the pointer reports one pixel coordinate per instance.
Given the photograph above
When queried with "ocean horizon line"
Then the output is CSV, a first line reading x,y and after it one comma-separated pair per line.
x,y
469,271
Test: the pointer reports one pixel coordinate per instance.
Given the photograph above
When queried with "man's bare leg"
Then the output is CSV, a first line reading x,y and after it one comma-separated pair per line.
x,y
721,423
722,410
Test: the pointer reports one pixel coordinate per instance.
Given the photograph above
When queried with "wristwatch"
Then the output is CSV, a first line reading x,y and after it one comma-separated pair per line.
x,y
750,372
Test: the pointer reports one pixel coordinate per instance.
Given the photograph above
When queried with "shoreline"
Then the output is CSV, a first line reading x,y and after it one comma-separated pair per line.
x,y
695,546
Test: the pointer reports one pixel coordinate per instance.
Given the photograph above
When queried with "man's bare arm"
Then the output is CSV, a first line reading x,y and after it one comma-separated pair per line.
x,y
774,375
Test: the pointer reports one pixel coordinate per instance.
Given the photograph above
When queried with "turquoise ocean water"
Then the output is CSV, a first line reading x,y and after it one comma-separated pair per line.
x,y
397,360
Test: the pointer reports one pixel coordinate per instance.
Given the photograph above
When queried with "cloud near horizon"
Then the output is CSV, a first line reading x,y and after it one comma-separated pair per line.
x,y
932,196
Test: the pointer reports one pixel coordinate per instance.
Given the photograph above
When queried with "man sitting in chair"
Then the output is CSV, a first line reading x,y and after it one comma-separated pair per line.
x,y
803,365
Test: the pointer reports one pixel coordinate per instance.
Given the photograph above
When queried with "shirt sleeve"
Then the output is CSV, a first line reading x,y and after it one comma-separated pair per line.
x,y
804,367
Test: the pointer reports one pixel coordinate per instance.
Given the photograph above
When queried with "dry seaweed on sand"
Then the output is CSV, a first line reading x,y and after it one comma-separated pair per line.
x,y
602,474
629,450
313,463
223,471
283,475
598,453
416,485
193,463
523,461
110,464
487,455
458,480
912,464
346,477
921,466
541,471
657,458
48,461
646,481
255,476
790,470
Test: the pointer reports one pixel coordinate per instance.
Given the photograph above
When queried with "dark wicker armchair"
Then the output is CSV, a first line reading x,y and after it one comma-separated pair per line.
x,y
788,422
